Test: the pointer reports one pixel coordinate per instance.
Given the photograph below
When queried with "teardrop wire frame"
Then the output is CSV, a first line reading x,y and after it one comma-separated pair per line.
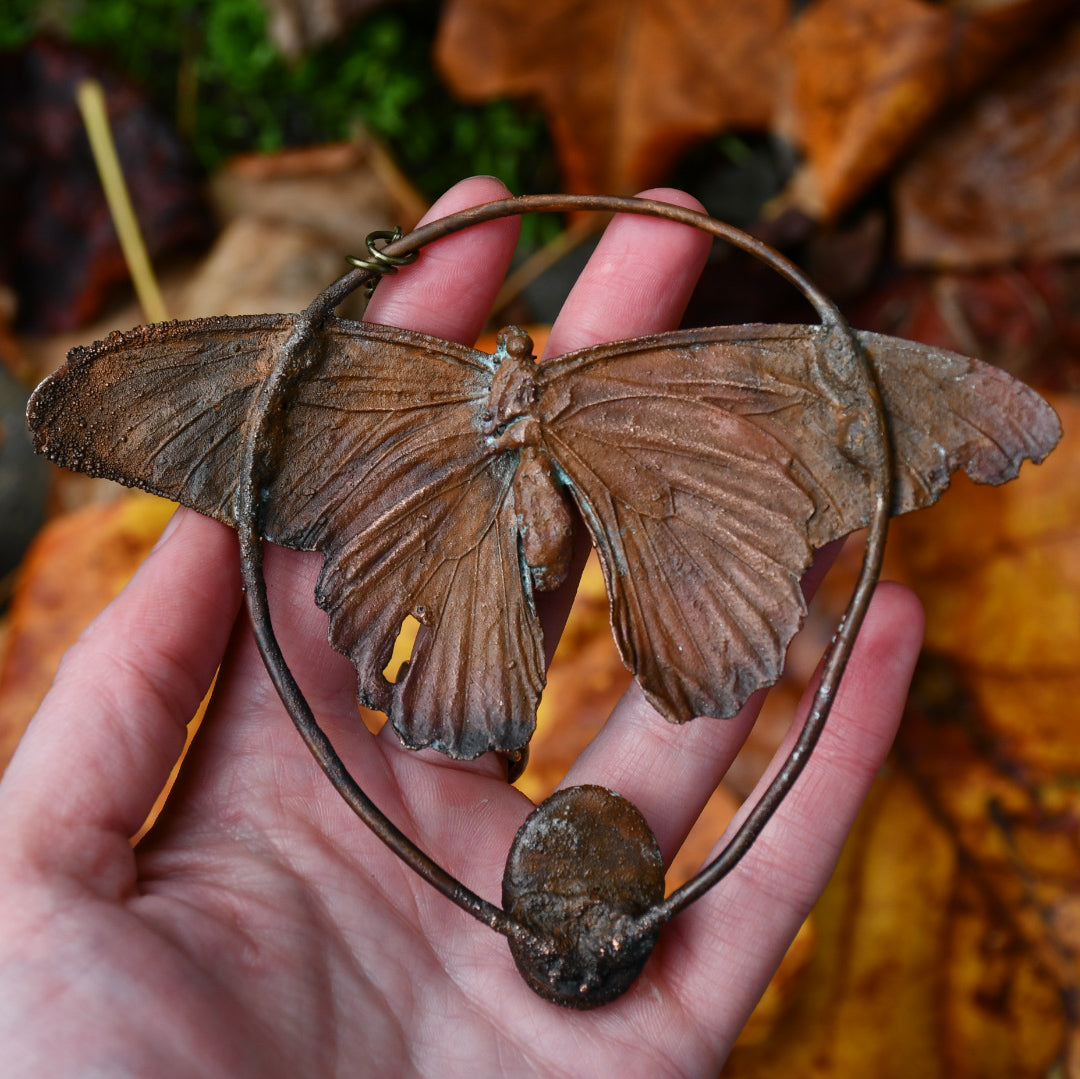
x,y
856,379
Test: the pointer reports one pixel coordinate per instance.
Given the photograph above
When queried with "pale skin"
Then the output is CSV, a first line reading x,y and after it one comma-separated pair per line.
x,y
260,930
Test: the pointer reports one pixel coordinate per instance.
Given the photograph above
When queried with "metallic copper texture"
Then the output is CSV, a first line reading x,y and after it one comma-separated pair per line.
x,y
706,464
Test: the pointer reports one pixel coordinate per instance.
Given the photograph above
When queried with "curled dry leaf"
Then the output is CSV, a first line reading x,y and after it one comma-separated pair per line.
x,y
997,183
865,77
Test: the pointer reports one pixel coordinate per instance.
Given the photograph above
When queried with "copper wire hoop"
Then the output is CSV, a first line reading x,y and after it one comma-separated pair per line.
x,y
849,364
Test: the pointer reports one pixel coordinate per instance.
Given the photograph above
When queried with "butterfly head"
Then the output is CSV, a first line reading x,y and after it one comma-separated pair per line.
x,y
514,343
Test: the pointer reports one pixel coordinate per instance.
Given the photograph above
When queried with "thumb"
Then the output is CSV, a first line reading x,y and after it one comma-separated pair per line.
x,y
106,737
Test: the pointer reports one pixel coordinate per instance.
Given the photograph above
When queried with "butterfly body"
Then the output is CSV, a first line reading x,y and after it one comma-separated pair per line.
x,y
510,424
707,466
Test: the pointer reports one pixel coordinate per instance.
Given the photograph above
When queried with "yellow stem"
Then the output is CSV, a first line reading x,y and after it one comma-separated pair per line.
x,y
91,99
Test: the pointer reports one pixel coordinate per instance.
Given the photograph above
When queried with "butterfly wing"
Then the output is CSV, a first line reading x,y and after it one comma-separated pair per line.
x,y
700,526
708,471
160,407
415,518
383,470
946,413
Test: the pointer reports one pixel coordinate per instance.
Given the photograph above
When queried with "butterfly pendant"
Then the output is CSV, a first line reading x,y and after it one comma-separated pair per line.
x,y
440,482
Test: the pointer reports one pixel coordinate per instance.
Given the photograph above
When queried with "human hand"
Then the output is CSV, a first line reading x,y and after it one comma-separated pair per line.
x,y
259,929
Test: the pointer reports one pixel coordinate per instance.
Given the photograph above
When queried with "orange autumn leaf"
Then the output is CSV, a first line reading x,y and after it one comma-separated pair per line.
x,y
626,85
992,745
901,942
1000,580
948,940
76,566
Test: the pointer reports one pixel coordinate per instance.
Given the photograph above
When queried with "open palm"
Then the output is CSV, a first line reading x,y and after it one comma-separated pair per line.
x,y
260,929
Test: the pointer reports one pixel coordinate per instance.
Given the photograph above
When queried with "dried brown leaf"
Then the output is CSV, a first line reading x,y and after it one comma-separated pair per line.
x,y
626,85
865,78
998,183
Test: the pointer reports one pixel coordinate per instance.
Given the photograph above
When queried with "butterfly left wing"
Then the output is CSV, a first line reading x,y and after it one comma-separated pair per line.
x,y
709,464
383,469
415,517
160,407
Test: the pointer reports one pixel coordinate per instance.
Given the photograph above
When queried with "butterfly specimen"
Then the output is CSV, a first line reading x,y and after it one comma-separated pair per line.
x,y
707,466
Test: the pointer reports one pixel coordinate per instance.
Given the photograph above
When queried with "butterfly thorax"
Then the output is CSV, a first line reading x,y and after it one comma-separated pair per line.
x,y
513,393
510,424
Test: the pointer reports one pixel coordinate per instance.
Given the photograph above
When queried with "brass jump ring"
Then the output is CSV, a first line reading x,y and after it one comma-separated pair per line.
x,y
380,262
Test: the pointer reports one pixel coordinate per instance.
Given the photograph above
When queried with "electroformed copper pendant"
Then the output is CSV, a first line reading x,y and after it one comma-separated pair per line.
x,y
706,464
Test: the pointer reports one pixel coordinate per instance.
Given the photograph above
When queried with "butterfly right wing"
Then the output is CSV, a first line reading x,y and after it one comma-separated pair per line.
x,y
708,464
946,413
696,513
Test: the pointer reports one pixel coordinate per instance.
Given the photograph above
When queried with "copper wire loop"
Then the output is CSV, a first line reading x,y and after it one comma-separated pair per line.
x,y
274,396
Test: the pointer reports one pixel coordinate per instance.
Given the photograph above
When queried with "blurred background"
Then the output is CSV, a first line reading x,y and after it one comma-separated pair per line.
x,y
921,160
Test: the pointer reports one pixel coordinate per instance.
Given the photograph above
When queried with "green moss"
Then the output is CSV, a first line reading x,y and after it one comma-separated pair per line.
x,y
211,65
17,23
